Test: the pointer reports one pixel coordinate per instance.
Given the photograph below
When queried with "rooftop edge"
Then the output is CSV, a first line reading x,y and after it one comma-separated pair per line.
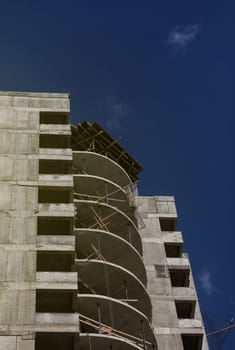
x,y
35,94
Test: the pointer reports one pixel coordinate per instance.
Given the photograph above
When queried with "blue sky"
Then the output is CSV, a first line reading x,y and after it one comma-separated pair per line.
x,y
161,75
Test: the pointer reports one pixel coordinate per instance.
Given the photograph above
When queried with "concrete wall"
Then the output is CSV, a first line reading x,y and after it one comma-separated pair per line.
x,y
167,326
19,211
19,149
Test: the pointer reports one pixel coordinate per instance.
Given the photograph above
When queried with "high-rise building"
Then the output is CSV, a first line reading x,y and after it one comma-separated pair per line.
x,y
85,263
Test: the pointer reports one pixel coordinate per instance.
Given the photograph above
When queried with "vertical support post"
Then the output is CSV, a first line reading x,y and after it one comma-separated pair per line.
x,y
89,341
100,216
83,166
106,193
99,317
126,291
99,245
129,233
143,335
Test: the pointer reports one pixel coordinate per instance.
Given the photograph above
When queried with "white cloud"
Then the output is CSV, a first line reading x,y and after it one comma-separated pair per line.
x,y
117,111
205,281
181,36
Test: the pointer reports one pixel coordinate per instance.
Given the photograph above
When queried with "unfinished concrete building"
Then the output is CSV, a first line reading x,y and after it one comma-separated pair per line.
x,y
85,262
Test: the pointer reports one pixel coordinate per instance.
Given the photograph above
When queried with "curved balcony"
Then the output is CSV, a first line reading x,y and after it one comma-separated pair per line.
x,y
105,191
105,342
96,164
117,316
104,278
124,253
92,214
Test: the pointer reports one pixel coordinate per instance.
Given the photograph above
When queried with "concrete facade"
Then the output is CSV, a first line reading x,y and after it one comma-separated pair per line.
x,y
176,313
85,263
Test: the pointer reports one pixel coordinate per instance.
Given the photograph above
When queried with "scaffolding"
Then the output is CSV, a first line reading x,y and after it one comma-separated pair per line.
x,y
91,137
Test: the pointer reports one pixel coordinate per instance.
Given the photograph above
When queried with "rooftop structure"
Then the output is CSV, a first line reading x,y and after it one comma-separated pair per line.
x,y
86,263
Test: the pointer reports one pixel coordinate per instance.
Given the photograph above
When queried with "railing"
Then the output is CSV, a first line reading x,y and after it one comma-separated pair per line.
x,y
102,328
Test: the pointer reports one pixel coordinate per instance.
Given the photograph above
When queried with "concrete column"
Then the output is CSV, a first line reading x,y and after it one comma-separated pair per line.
x,y
18,222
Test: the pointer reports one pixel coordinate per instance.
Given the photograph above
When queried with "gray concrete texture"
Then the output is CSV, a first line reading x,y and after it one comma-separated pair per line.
x,y
19,163
168,327
39,272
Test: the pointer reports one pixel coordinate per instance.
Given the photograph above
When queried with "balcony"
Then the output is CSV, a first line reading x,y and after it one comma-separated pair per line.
x,y
104,341
90,242
116,316
105,191
92,214
104,278
92,163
